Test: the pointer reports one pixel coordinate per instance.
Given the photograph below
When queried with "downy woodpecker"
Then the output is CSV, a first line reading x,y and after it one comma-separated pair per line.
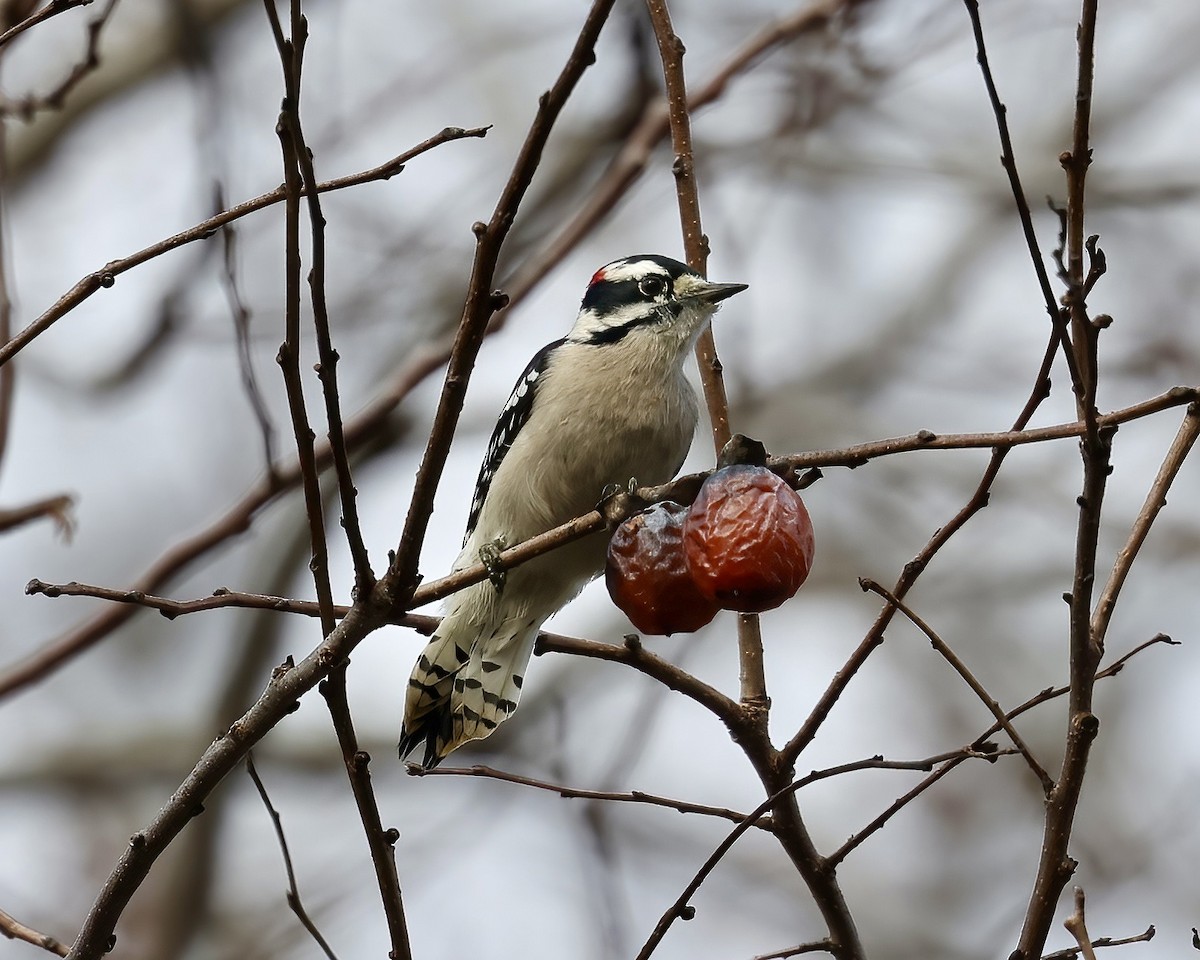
x,y
606,404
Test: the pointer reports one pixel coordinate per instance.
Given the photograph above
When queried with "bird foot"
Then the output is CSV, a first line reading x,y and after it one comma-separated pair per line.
x,y
489,556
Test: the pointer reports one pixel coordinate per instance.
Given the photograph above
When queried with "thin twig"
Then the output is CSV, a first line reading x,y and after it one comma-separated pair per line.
x,y
364,577
1156,499
106,276
577,793
1072,952
293,892
52,9
1076,925
57,508
241,330
301,177
683,489
634,156
13,929
1050,693
381,842
1058,319
681,909
969,678
291,54
26,107
1055,867
816,946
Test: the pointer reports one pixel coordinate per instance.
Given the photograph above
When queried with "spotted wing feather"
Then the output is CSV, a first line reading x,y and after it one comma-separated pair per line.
x,y
512,418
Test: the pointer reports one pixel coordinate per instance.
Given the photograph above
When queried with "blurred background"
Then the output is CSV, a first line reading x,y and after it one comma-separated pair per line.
x,y
851,177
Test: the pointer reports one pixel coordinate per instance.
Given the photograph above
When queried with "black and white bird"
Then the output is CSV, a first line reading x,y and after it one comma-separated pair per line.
x,y
606,404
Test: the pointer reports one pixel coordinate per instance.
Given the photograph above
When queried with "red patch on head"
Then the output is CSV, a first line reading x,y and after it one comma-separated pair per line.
x,y
596,277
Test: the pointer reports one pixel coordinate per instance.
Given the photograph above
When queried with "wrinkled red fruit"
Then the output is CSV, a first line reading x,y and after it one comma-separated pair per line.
x,y
647,575
748,539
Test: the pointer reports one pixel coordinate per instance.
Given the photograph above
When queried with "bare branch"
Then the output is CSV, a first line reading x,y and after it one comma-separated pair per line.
x,y
682,489
1156,499
293,892
971,680
816,946
13,929
576,793
58,509
52,9
1072,952
106,276
1076,925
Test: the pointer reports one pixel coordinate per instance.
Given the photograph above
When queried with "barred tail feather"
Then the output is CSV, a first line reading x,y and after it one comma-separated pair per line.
x,y
488,688
429,690
455,695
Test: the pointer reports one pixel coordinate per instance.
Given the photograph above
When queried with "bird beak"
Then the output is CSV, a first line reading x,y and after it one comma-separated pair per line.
x,y
713,293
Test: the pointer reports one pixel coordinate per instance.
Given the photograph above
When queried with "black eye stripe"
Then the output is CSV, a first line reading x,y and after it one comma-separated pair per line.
x,y
606,296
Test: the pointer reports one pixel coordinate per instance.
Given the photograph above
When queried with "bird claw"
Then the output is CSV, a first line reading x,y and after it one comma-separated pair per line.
x,y
618,502
489,556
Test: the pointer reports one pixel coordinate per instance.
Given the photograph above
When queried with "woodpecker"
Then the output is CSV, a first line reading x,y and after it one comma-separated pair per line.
x,y
607,404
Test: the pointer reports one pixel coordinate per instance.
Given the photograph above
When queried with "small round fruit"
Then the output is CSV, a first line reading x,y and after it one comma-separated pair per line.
x,y
647,576
748,539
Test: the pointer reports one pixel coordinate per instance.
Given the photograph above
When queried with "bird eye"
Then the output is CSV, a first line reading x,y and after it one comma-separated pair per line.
x,y
652,286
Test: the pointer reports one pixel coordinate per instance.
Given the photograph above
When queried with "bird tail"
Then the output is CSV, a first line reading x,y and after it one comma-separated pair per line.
x,y
456,695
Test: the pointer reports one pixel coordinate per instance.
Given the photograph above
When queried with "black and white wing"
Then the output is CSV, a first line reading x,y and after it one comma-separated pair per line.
x,y
512,418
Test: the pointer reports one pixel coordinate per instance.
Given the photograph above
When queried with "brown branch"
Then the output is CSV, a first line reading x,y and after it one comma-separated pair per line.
x,y
1055,866
52,9
1050,693
291,53
1072,952
683,489
1058,318
301,177
1076,925
106,276
695,243
25,107
293,892
968,677
680,908
633,158
364,577
56,508
816,946
754,707
13,929
281,696
576,793
635,655
1156,499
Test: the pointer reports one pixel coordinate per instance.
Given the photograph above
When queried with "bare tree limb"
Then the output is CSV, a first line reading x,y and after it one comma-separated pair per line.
x,y
13,929
106,276
970,679
1156,499
293,892
1072,952
577,793
683,489
1076,925
1055,866
52,9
